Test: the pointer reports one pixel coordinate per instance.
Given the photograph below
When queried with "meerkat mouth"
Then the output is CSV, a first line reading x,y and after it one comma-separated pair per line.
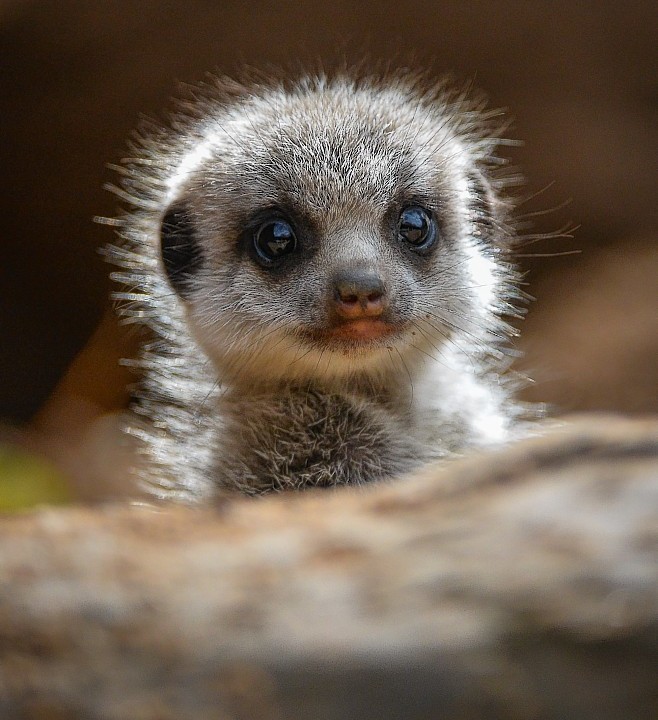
x,y
362,334
364,330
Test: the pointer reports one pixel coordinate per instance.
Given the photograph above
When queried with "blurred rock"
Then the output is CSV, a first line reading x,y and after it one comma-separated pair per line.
x,y
517,584
592,339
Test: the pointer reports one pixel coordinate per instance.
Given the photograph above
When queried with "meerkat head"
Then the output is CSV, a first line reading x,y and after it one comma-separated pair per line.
x,y
332,227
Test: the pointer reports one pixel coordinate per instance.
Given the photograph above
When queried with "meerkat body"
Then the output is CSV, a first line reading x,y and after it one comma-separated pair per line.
x,y
324,265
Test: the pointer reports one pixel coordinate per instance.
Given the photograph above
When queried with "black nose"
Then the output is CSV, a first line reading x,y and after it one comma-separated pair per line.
x,y
358,292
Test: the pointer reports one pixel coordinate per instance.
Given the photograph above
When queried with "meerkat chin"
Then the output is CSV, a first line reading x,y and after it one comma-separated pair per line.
x,y
325,267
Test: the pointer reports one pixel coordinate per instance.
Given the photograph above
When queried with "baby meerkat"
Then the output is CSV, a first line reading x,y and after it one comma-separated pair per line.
x,y
324,264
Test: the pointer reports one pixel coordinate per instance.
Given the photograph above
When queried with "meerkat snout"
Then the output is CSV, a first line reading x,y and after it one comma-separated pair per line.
x,y
358,293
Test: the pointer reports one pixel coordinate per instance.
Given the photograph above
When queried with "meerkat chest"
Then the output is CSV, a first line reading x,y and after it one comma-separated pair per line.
x,y
308,438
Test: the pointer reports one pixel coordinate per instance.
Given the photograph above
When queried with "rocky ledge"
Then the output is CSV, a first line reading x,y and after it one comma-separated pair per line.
x,y
516,584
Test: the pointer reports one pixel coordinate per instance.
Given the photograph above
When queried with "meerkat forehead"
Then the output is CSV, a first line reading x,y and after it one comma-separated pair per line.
x,y
325,145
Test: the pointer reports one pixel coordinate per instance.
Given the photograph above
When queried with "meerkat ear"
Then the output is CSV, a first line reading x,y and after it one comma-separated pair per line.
x,y
180,249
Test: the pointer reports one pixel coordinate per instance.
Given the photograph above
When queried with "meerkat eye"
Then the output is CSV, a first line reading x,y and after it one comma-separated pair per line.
x,y
274,239
417,227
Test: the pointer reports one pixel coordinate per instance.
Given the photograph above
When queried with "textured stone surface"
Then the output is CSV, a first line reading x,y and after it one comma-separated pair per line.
x,y
516,584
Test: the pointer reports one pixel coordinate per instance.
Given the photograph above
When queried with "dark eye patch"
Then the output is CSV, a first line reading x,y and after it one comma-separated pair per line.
x,y
181,252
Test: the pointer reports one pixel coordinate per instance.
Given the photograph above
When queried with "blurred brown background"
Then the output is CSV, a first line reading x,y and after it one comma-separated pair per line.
x,y
580,79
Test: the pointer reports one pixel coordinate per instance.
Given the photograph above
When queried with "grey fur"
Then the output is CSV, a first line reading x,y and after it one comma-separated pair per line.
x,y
242,390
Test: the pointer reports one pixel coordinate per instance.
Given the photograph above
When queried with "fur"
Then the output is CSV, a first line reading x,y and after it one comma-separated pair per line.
x,y
244,386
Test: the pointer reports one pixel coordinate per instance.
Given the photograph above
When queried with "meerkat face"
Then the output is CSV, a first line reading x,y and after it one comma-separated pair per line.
x,y
329,230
